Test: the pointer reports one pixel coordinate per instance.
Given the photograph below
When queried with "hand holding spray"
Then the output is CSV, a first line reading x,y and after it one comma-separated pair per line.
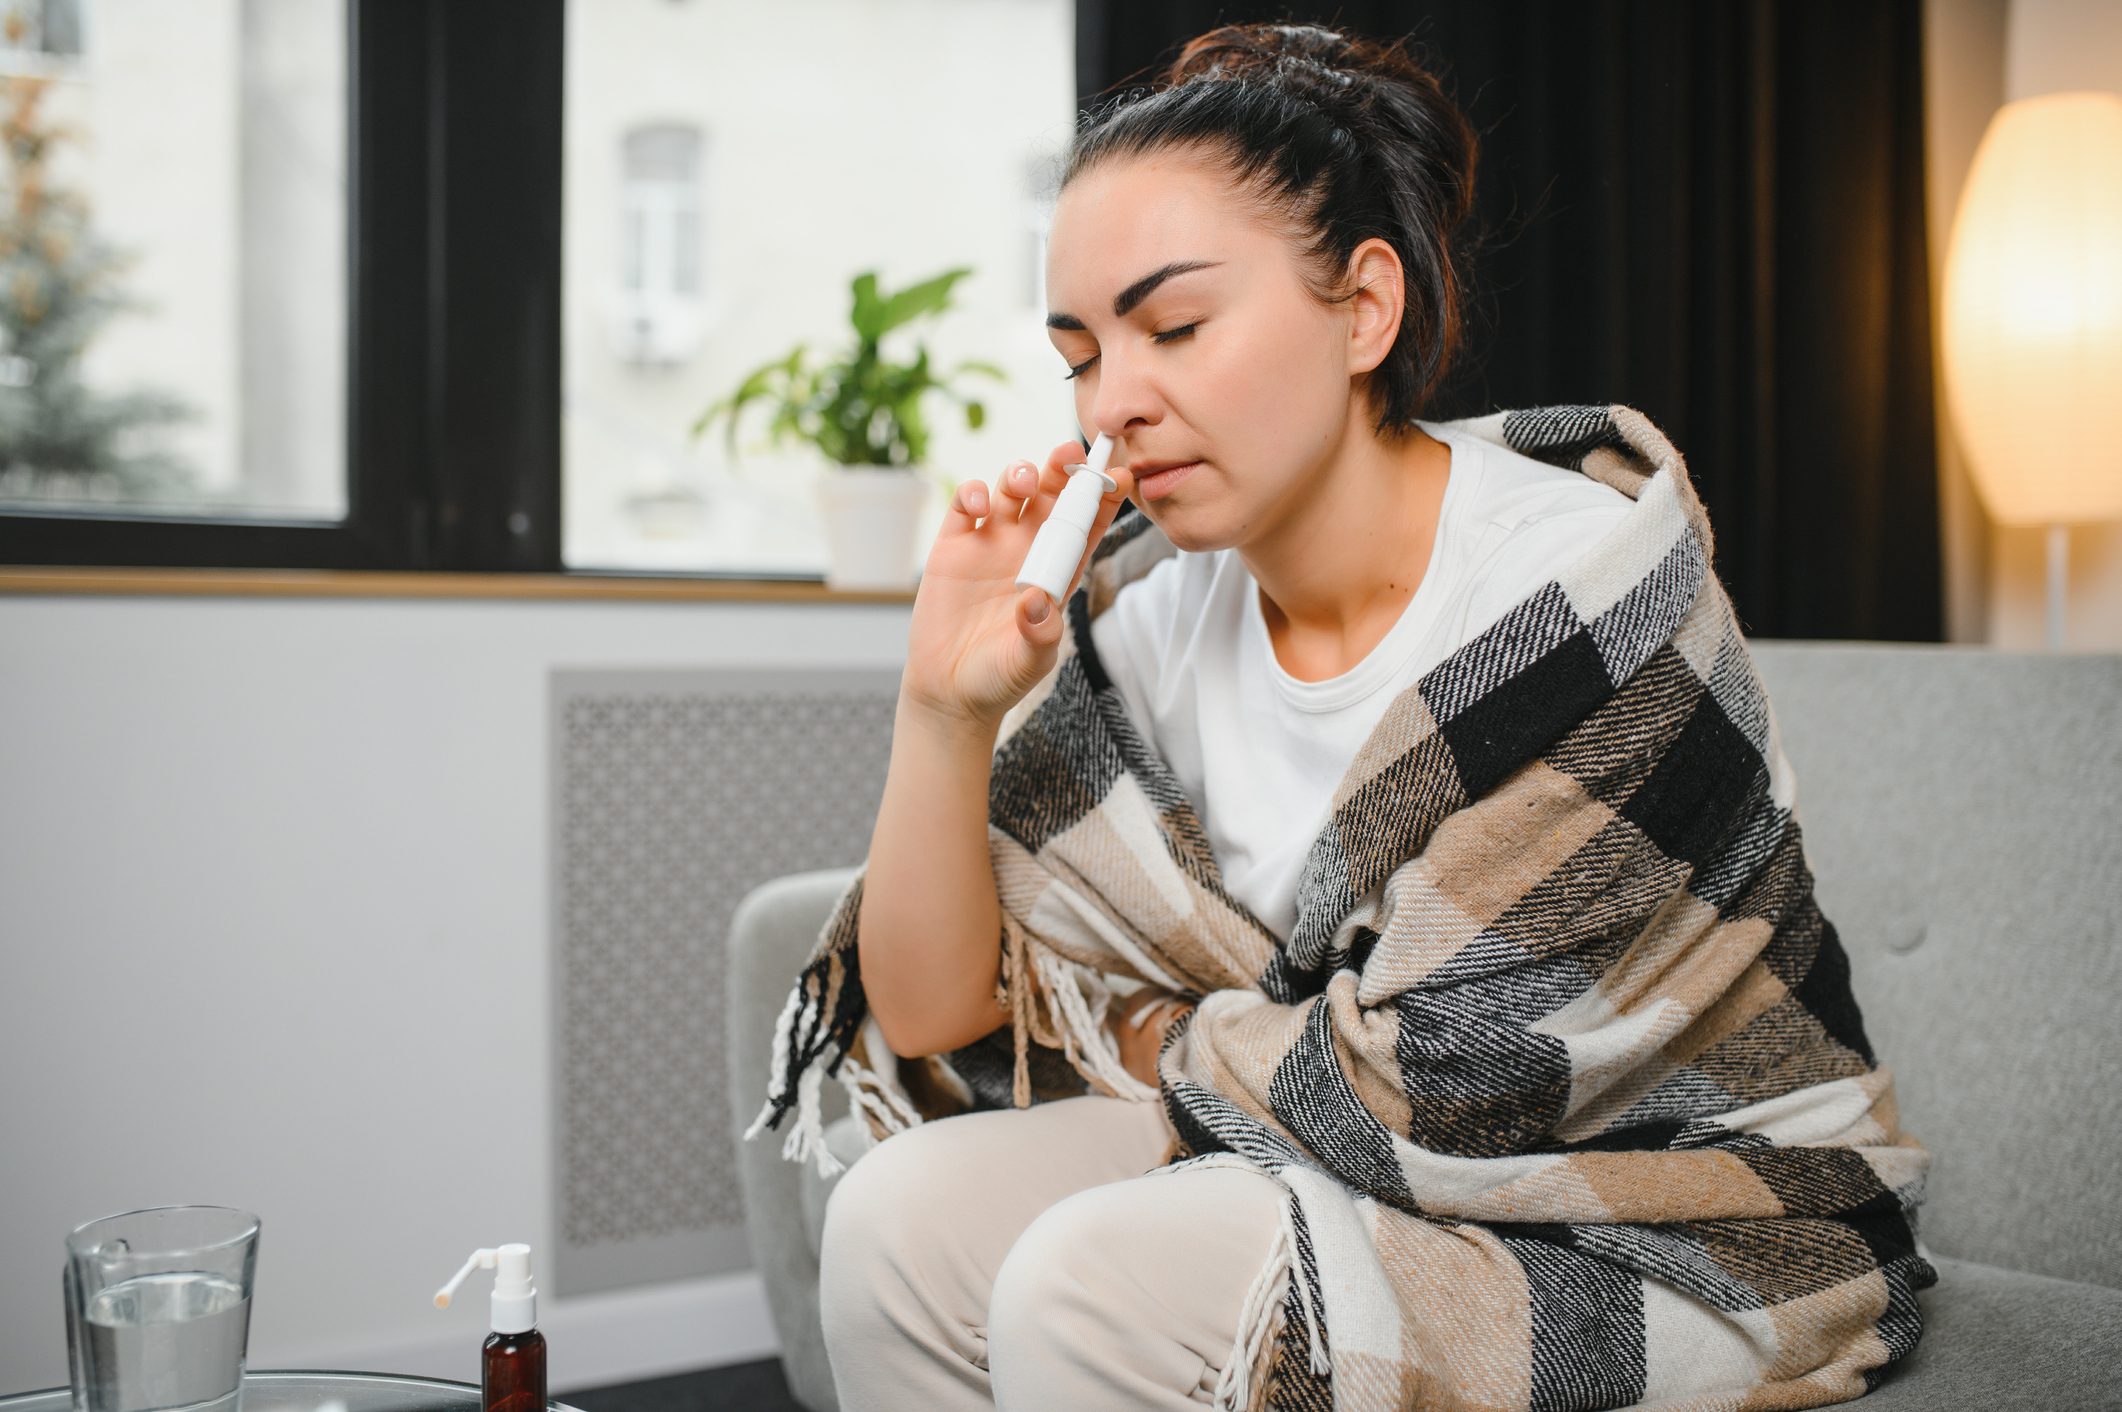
x,y
1058,547
512,1360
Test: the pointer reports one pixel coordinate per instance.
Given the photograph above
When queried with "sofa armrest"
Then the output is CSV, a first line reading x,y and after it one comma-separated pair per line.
x,y
770,937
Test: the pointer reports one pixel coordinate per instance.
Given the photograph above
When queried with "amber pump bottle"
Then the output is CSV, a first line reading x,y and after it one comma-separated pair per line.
x,y
512,1360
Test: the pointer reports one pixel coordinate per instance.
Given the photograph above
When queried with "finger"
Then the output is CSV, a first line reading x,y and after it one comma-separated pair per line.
x,y
1052,477
1133,1001
1163,1007
1070,454
1018,483
1059,463
1146,1002
1045,632
967,504
1060,459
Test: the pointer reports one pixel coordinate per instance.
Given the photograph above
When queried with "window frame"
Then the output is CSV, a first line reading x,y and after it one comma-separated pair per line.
x,y
454,178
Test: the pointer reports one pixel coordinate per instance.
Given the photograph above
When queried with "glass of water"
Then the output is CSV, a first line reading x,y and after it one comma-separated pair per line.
x,y
158,1309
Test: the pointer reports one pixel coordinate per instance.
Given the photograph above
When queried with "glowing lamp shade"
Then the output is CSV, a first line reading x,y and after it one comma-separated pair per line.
x,y
2033,311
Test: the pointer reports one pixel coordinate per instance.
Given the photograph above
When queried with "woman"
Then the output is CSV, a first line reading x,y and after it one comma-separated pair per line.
x,y
1396,805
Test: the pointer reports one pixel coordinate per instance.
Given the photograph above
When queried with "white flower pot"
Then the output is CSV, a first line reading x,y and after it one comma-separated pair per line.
x,y
872,520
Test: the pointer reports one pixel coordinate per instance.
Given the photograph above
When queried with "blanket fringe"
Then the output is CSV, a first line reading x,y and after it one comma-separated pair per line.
x,y
1076,1002
1256,1323
1085,1040
877,1090
1313,1320
1235,1387
1019,996
807,1137
778,1078
867,1092
1071,1019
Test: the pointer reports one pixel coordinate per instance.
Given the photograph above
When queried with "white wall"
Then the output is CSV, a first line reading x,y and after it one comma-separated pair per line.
x,y
274,933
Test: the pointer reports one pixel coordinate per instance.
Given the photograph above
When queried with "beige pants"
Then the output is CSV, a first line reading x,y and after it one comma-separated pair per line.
x,y
1022,1259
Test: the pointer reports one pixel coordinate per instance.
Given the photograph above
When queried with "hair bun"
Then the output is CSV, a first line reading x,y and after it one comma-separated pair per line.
x,y
1379,91
1307,58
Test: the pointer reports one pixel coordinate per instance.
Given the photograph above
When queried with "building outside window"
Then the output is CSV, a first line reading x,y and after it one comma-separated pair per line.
x,y
657,318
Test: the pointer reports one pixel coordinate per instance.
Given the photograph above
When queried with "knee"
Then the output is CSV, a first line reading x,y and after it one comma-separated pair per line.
x,y
877,1223
1055,1287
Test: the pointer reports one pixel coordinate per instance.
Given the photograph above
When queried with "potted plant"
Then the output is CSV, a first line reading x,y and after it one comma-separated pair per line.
x,y
863,411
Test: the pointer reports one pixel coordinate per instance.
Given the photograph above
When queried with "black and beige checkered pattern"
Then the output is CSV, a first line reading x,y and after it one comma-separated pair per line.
x,y
1560,1065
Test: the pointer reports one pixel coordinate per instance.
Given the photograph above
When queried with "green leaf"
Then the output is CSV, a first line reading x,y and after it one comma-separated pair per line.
x,y
914,429
755,385
861,407
931,296
867,315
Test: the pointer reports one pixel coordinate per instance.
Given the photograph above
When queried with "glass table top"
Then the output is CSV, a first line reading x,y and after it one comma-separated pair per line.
x,y
313,1392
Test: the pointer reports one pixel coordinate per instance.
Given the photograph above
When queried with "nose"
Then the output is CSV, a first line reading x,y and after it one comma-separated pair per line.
x,y
1125,399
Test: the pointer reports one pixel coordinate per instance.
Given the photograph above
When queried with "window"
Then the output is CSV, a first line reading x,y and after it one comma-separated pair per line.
x,y
390,398
731,167
172,270
445,286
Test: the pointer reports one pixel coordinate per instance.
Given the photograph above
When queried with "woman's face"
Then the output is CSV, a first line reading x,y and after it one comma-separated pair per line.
x,y
1258,390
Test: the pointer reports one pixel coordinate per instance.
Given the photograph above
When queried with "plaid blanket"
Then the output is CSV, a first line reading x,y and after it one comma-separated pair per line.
x,y
1560,1068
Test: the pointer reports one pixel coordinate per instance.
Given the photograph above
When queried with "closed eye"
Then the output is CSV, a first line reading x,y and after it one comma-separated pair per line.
x,y
1165,337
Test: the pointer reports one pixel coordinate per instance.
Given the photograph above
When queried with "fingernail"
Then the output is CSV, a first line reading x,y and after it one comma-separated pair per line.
x,y
1040,609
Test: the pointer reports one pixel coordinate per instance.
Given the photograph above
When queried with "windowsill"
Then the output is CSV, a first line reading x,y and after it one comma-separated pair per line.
x,y
331,583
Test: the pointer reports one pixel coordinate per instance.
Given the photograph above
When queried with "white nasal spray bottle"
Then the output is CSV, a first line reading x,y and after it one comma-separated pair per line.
x,y
1058,547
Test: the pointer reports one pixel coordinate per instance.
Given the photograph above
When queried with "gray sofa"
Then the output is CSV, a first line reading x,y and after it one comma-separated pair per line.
x,y
1963,816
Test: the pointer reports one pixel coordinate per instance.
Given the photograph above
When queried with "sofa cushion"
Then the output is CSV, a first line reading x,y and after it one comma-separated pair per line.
x,y
1997,1339
1958,807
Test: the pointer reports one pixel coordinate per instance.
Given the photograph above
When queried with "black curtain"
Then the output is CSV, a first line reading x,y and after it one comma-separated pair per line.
x,y
1713,213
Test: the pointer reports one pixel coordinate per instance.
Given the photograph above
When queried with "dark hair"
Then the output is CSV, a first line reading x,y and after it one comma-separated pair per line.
x,y
1334,140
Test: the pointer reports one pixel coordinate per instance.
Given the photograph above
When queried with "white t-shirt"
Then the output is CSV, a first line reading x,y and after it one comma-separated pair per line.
x,y
1260,752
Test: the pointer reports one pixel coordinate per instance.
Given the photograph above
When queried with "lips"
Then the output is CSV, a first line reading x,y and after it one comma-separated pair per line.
x,y
1147,468
1158,484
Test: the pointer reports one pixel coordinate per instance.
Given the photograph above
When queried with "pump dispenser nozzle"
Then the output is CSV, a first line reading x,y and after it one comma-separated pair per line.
x,y
515,1303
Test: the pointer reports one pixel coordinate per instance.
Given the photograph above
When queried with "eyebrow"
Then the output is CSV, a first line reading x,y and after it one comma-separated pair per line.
x,y
1141,289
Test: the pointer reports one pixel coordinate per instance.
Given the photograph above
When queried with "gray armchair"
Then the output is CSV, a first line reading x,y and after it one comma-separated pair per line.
x,y
1963,815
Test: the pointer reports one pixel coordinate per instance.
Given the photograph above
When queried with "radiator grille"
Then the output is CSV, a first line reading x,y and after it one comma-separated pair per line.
x,y
674,793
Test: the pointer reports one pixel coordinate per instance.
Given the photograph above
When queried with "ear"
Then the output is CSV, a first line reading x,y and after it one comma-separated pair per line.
x,y
1380,298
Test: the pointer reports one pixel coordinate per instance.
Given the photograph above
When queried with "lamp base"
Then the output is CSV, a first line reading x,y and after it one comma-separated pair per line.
x,y
2058,561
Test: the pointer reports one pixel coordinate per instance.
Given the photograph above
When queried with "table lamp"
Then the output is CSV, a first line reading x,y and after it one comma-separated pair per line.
x,y
2033,319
